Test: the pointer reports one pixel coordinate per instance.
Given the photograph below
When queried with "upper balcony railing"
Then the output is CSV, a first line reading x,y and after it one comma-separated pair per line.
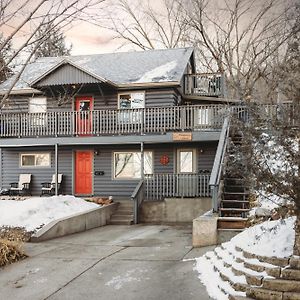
x,y
205,84
112,122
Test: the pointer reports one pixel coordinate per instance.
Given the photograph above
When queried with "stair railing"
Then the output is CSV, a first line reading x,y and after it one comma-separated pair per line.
x,y
137,197
215,178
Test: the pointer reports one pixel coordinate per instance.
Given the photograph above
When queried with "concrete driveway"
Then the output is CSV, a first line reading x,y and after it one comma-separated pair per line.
x,y
111,262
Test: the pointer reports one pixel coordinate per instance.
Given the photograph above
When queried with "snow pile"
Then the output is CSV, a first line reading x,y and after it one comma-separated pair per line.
x,y
271,238
160,73
36,212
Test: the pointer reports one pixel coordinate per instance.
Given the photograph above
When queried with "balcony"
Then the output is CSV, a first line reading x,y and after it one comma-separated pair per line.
x,y
112,122
205,84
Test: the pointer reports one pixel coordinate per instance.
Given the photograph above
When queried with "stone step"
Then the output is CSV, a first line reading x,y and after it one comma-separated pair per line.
x,y
274,272
121,222
121,217
251,279
290,274
124,211
231,297
281,262
295,263
281,285
263,294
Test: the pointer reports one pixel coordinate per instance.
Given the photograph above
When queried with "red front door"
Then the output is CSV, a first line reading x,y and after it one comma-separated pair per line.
x,y
84,106
83,172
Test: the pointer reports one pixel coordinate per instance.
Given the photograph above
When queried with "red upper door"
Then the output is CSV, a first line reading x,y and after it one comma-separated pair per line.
x,y
83,172
84,106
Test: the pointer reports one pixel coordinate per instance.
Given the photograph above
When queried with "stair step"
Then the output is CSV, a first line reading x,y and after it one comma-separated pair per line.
x,y
263,294
121,217
281,285
236,193
234,201
231,223
120,222
290,274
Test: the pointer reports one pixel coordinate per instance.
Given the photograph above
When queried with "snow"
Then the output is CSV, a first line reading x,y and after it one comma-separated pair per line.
x,y
36,212
271,238
159,73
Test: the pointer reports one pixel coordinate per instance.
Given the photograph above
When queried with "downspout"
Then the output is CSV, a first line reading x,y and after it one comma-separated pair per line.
x,y
56,169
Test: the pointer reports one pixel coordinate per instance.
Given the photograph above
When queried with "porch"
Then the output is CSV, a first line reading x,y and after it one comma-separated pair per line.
x,y
112,122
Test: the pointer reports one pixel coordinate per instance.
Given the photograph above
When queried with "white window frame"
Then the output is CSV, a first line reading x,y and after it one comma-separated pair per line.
x,y
34,154
126,152
38,116
194,160
125,115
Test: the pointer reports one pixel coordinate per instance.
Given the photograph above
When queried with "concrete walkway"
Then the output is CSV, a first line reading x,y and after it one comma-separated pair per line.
x,y
111,262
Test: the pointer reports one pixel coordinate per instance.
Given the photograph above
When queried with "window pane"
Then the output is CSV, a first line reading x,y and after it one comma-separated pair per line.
x,y
37,105
33,160
125,102
42,159
137,100
148,163
186,162
28,160
84,105
128,165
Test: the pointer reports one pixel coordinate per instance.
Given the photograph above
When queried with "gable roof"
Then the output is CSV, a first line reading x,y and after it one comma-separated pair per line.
x,y
119,69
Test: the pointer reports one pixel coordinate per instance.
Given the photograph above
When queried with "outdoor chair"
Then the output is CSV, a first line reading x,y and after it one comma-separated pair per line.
x,y
48,188
22,187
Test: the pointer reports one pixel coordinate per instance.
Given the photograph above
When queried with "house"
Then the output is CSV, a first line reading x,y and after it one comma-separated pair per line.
x,y
111,121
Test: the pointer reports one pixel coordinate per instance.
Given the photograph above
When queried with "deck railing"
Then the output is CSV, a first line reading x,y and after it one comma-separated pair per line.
x,y
160,186
205,84
111,122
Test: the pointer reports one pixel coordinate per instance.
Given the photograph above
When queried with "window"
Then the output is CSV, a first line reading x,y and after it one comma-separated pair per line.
x,y
128,164
186,161
38,108
35,160
131,101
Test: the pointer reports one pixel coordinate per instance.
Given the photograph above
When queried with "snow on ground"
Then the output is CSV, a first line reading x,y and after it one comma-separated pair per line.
x,y
35,212
271,238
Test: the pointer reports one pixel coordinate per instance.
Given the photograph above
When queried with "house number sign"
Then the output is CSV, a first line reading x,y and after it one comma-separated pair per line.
x,y
164,160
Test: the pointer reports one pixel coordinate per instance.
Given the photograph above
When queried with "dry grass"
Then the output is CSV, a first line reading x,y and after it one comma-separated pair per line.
x,y
11,244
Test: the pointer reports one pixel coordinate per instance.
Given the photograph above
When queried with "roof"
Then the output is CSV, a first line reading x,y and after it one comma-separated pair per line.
x,y
122,68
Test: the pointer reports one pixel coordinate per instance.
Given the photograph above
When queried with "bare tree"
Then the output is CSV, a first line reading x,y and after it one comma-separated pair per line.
x,y
22,20
147,25
244,39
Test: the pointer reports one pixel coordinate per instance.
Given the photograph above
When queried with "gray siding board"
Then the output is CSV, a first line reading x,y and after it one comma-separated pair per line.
x,y
103,185
153,98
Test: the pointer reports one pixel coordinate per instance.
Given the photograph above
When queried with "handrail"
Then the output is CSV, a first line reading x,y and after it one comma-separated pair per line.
x,y
137,197
214,182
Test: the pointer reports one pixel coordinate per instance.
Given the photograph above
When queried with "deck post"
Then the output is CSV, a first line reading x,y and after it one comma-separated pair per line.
x,y
142,160
56,169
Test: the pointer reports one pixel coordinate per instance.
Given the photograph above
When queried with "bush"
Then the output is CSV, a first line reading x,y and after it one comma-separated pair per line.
x,y
11,244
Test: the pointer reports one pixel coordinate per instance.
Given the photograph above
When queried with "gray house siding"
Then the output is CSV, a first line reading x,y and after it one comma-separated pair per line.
x,y
153,98
103,184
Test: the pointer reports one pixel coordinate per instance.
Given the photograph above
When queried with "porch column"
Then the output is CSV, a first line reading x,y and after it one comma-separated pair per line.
x,y
56,169
142,160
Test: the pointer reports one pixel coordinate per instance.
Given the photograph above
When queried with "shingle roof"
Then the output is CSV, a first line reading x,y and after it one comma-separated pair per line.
x,y
151,66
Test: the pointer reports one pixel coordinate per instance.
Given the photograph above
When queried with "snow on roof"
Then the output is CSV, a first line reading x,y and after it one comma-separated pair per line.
x,y
121,68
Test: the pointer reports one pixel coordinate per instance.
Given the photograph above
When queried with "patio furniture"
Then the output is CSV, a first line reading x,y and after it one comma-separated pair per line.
x,y
48,188
22,187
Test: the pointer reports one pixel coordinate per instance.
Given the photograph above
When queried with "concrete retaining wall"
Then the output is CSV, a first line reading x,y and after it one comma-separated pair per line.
x,y
174,209
76,223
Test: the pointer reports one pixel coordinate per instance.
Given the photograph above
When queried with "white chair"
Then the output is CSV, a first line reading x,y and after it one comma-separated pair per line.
x,y
21,187
48,188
